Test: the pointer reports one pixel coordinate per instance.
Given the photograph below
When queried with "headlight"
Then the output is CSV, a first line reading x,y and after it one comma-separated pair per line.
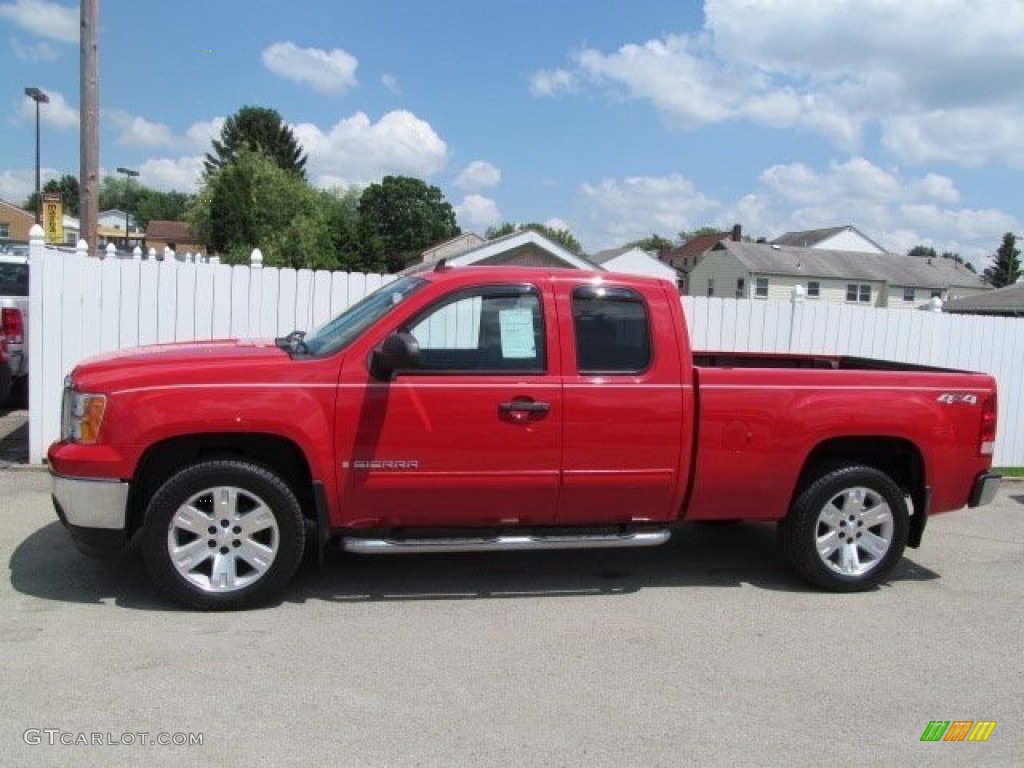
x,y
81,416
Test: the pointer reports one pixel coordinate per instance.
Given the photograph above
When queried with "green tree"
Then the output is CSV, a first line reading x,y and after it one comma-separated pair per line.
x,y
654,244
66,186
562,237
144,203
705,230
927,252
257,129
1005,269
253,203
399,218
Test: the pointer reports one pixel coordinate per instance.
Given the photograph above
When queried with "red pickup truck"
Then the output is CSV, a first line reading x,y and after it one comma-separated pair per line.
x,y
496,408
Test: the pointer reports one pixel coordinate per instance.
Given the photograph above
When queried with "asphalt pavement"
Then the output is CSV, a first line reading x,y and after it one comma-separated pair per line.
x,y
702,652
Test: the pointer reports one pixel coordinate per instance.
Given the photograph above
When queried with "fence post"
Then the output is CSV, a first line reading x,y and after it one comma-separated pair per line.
x,y
168,253
152,254
111,251
36,242
256,293
82,249
136,253
796,299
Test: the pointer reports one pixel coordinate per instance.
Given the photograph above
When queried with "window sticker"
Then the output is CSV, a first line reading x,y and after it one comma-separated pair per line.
x,y
517,340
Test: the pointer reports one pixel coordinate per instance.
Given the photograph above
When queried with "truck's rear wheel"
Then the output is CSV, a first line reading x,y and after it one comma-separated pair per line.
x,y
847,529
223,535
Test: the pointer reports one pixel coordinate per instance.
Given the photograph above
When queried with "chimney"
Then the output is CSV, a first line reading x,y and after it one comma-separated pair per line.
x,y
737,233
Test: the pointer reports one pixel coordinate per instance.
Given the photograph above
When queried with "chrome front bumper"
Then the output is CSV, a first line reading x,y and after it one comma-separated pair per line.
x,y
83,503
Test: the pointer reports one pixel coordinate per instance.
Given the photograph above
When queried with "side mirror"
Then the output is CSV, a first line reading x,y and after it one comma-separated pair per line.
x,y
399,352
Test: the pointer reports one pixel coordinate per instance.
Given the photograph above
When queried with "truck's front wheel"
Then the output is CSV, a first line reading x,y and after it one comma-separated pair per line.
x,y
223,535
847,529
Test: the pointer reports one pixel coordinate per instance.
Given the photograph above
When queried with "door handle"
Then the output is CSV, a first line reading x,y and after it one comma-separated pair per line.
x,y
523,410
524,406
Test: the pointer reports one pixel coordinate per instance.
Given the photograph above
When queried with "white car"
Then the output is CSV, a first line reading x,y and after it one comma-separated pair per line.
x,y
14,318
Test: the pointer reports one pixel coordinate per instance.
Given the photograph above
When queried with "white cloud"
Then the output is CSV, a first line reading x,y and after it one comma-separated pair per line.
x,y
57,113
478,175
391,83
329,72
46,19
616,211
37,53
357,151
550,83
137,131
180,174
930,75
17,185
895,210
477,213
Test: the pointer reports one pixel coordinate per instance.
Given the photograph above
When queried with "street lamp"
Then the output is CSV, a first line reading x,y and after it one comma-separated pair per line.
x,y
39,98
128,172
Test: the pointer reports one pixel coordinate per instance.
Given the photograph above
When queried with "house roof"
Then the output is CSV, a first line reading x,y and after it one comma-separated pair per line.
x,y
812,237
17,210
907,271
602,257
1001,301
511,242
175,231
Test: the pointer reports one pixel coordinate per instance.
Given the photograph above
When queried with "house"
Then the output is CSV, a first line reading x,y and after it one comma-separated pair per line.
x,y
450,248
15,222
634,261
845,238
1004,302
110,227
684,258
526,248
176,235
771,271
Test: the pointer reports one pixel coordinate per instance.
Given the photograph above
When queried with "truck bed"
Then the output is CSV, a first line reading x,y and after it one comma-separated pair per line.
x,y
708,359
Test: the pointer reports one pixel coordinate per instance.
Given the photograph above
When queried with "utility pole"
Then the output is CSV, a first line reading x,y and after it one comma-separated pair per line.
x,y
90,112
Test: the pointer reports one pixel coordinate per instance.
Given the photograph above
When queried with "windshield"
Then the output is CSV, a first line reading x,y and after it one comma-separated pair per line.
x,y
340,332
13,279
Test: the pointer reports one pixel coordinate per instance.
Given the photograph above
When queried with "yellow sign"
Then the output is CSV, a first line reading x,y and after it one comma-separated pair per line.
x,y
53,218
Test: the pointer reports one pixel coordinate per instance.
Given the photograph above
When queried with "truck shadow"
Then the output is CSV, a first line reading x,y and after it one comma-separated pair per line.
x,y
47,566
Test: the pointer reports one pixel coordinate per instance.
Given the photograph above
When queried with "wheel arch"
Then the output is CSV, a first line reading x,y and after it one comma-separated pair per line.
x,y
273,452
897,457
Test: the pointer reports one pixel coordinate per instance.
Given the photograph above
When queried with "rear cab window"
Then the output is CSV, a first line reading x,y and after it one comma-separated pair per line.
x,y
13,278
612,330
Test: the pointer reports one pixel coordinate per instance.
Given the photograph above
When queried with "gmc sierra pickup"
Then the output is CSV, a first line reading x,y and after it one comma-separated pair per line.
x,y
496,408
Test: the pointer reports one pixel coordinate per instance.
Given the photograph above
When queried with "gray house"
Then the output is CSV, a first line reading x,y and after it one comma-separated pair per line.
x,y
772,271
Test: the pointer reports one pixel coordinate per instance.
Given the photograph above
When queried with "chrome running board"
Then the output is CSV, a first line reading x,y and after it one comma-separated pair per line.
x,y
504,543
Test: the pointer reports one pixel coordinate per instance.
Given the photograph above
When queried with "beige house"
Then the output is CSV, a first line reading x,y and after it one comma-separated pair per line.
x,y
526,248
771,271
176,235
15,222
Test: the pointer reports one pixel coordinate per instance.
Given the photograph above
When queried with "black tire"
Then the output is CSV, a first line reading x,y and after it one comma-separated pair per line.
x,y
238,541
846,530
6,387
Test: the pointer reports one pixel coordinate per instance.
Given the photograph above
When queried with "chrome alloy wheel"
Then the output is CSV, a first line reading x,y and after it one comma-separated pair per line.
x,y
223,539
854,531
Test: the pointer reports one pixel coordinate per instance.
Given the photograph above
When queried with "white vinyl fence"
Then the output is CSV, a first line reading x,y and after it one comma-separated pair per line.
x,y
81,306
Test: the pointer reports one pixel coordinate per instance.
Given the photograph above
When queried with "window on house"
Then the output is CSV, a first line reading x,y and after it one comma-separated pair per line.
x,y
611,329
761,288
813,289
5,230
711,286
909,294
860,293
491,328
741,288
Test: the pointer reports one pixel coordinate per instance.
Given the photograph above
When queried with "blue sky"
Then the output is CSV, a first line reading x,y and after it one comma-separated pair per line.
x,y
614,119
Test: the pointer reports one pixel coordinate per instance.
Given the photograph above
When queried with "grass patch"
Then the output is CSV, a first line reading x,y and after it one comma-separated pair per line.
x,y
1009,471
